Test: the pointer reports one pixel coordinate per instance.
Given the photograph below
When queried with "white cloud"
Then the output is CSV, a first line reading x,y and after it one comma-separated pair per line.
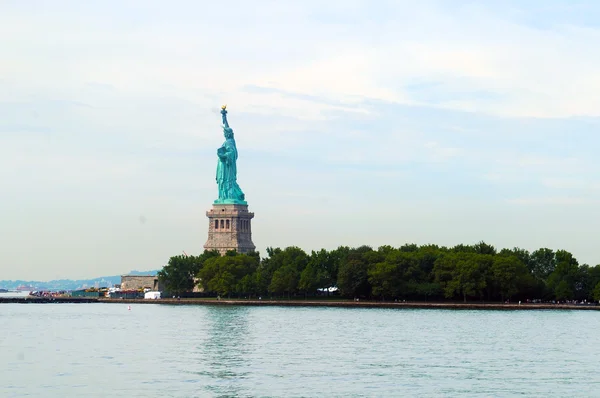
x,y
534,72
568,201
573,184
111,110
539,73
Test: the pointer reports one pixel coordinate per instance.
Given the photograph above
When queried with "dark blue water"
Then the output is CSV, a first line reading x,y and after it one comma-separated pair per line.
x,y
106,350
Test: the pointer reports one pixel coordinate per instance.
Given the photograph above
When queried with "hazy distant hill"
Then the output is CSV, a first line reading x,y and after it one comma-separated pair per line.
x,y
70,284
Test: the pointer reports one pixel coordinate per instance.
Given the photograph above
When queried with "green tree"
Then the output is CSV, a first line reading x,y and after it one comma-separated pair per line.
x,y
338,257
542,263
461,248
584,283
484,248
247,285
353,273
404,272
563,279
462,273
386,249
426,256
223,275
284,268
563,291
284,280
444,269
596,293
318,272
408,273
523,255
179,273
508,273
594,279
429,289
409,248
385,279
266,269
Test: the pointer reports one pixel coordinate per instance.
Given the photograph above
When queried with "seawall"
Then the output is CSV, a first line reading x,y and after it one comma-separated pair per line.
x,y
305,303
357,304
47,300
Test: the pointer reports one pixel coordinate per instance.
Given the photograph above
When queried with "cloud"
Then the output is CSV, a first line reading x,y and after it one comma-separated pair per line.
x,y
568,201
470,50
383,121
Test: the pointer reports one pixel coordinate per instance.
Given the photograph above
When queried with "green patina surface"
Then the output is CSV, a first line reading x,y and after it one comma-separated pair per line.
x,y
230,202
229,190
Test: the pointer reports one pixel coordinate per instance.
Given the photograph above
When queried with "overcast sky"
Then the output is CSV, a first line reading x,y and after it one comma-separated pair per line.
x,y
357,122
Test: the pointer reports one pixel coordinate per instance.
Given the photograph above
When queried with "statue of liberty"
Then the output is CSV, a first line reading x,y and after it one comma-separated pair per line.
x,y
229,190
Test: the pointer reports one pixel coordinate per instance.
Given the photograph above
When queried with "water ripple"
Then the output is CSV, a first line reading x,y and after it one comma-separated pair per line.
x,y
187,351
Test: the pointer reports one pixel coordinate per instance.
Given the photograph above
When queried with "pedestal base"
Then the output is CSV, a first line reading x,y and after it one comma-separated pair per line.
x,y
229,228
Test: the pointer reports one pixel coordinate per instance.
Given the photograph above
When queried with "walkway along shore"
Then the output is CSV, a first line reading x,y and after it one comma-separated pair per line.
x,y
305,303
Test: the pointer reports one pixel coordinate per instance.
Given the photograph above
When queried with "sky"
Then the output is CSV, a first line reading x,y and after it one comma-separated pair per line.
x,y
357,122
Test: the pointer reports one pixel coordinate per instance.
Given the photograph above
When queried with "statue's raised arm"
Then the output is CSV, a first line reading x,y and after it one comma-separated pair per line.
x,y
224,115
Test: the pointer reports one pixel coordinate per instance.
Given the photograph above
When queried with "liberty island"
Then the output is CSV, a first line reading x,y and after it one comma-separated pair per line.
x,y
229,226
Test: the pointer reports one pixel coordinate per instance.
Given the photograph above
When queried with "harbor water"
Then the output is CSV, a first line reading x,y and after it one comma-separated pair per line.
x,y
117,350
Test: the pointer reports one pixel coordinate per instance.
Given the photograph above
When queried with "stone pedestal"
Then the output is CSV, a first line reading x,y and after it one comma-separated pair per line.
x,y
229,228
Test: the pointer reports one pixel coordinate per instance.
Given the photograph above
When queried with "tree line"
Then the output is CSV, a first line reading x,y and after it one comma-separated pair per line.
x,y
410,272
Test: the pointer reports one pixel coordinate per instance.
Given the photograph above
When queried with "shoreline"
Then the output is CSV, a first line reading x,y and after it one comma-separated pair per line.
x,y
355,304
303,303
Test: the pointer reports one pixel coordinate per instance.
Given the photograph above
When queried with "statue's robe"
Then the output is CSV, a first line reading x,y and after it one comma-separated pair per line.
x,y
227,172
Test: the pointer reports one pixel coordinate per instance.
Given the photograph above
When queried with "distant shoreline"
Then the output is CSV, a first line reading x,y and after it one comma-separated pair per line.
x,y
305,303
